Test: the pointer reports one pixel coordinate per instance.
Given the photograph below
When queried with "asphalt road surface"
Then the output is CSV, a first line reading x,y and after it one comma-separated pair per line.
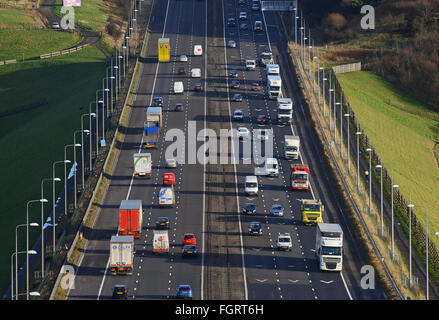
x,y
231,264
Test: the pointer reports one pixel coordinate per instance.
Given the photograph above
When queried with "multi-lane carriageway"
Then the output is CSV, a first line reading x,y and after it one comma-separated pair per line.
x,y
260,271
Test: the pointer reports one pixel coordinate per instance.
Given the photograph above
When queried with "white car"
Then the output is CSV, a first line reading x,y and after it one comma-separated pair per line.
x,y
284,241
196,73
243,133
171,163
231,44
243,15
55,25
182,58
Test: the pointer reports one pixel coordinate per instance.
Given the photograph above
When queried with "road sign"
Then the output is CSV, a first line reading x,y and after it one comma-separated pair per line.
x,y
163,49
279,5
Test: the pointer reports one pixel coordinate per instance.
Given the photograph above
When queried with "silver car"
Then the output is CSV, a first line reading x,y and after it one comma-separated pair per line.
x,y
171,163
231,44
183,58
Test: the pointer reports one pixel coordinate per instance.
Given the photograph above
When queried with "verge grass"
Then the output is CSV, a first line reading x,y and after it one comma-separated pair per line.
x,y
14,18
404,140
33,43
32,140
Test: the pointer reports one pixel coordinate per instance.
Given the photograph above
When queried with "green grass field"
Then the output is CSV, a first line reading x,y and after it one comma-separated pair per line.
x,y
404,140
14,18
92,14
33,43
32,140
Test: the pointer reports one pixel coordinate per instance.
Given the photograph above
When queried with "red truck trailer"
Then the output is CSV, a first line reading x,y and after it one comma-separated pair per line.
x,y
299,177
130,218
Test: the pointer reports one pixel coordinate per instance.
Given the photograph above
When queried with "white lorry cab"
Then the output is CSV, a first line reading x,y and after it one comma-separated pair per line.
x,y
271,167
272,69
250,64
198,50
178,87
251,185
166,197
329,246
196,73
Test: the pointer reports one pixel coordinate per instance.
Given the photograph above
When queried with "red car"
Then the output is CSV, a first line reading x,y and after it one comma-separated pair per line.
x,y
262,119
256,86
189,238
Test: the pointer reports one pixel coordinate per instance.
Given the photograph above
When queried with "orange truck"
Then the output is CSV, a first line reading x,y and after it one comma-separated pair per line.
x,y
299,177
130,218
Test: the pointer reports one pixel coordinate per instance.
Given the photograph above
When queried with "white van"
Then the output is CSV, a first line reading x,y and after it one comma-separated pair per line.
x,y
166,197
196,73
178,87
251,185
198,50
271,167
160,243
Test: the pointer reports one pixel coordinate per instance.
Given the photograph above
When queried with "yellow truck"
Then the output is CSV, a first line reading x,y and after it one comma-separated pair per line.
x,y
164,50
312,211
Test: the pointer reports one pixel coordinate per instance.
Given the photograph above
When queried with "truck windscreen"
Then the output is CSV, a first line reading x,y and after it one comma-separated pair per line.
x,y
331,251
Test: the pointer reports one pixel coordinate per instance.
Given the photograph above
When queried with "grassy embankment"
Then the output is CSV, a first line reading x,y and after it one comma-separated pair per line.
x,y
22,33
405,133
60,90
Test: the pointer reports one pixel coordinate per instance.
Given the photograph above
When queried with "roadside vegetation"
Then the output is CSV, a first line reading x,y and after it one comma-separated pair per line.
x,y
404,131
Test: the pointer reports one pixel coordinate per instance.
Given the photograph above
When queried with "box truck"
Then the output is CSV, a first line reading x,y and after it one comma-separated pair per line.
x,y
121,255
142,164
130,218
291,147
274,86
329,246
160,243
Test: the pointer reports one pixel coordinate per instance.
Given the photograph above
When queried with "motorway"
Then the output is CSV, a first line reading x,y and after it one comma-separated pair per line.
x,y
258,270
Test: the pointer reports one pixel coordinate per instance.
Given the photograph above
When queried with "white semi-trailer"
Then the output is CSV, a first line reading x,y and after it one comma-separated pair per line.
x,y
329,246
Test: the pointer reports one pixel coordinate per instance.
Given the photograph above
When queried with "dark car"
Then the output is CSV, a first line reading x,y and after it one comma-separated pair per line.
x,y
235,84
120,292
242,2
161,223
255,227
277,210
243,26
198,87
157,102
181,70
262,119
233,74
237,97
231,22
249,208
179,107
189,250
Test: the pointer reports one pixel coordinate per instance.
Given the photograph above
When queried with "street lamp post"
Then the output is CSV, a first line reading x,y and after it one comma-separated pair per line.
x,y
12,272
97,116
32,224
82,143
75,163
370,178
42,220
330,105
54,203
324,94
426,247
65,176
27,243
358,159
96,131
381,196
347,115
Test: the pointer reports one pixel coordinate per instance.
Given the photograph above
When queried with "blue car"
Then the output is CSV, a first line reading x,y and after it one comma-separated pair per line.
x,y
277,210
184,291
